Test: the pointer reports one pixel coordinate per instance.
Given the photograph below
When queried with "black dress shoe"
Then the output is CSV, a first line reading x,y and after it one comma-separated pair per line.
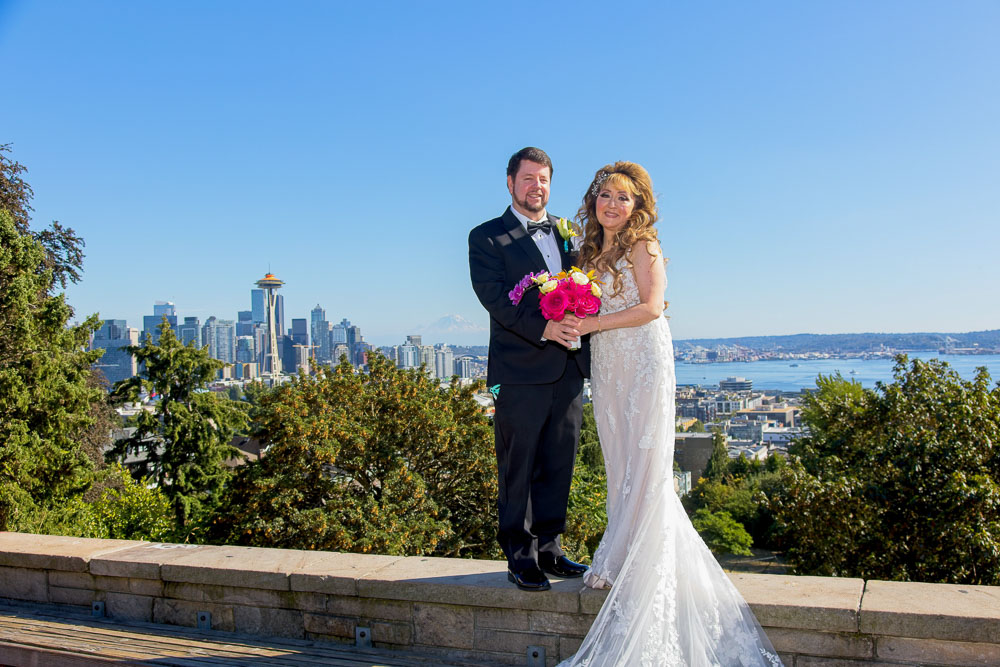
x,y
561,567
529,580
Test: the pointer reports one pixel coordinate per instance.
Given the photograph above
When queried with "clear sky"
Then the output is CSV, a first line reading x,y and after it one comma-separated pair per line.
x,y
829,166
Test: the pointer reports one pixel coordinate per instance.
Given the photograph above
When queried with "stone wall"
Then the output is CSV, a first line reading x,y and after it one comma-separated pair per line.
x,y
466,608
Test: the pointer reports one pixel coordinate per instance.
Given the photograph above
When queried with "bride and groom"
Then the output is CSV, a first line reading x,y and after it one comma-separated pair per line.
x,y
669,601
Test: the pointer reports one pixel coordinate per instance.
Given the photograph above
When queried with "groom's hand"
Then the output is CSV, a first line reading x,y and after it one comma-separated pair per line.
x,y
563,331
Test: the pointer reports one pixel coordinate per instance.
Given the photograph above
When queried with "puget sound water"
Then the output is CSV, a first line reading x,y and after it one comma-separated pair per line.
x,y
783,376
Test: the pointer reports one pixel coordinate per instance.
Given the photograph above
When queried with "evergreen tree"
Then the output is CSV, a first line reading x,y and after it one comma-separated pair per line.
x,y
377,462
718,463
899,482
184,444
48,400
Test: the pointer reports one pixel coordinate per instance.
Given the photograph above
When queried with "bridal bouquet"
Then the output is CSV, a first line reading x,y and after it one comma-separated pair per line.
x,y
572,292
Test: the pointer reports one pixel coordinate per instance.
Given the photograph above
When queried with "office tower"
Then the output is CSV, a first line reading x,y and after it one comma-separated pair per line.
x,y
246,351
269,283
151,323
444,363
338,334
190,331
355,343
258,306
320,334
427,358
409,356
464,367
340,350
279,314
300,333
221,339
117,364
414,340
244,323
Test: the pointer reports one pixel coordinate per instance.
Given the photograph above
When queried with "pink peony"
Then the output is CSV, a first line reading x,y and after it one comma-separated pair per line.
x,y
554,304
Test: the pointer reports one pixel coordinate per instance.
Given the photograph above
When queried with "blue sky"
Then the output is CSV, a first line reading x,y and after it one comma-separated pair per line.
x,y
821,166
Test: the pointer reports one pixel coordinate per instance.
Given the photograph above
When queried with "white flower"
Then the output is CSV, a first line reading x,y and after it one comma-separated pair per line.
x,y
548,286
541,278
579,278
595,289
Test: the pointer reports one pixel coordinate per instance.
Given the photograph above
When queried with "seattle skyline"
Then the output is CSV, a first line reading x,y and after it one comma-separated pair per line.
x,y
828,167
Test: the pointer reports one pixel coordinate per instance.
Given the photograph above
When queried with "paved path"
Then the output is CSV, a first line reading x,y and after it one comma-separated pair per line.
x,y
63,636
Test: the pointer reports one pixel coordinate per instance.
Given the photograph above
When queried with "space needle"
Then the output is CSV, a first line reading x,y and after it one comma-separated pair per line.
x,y
269,284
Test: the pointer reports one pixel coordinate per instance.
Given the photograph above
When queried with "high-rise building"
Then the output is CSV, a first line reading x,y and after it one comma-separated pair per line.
x,y
444,363
244,323
246,351
151,323
258,307
338,334
221,339
409,356
464,367
117,364
300,332
320,334
190,331
279,313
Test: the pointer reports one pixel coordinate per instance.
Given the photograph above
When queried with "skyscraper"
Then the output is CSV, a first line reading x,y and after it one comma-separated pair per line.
x,y
244,323
151,323
444,363
190,331
117,363
221,339
320,334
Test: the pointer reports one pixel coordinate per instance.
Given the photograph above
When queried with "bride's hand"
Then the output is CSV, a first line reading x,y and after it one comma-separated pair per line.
x,y
587,325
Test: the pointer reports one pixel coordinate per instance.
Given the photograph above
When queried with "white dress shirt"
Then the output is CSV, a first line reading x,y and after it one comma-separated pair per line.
x,y
546,243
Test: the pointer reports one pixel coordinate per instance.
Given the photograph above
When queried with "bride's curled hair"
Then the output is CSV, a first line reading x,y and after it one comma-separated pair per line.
x,y
634,179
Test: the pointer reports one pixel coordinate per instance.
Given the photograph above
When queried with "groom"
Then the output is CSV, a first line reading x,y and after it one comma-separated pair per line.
x,y
539,404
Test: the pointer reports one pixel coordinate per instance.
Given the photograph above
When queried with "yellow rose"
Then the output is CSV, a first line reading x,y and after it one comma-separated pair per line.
x,y
541,278
548,286
579,277
595,290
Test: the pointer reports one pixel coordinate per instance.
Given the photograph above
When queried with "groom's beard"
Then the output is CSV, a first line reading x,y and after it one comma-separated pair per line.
x,y
533,208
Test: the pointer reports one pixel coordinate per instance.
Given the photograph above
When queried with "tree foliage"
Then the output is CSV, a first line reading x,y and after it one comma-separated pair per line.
x,y
377,462
587,513
182,446
47,398
722,533
899,482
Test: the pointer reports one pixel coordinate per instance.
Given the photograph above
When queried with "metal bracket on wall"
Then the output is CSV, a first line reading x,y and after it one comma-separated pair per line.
x,y
204,620
536,656
97,608
362,637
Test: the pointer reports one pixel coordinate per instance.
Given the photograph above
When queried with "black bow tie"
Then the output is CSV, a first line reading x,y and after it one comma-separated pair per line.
x,y
544,226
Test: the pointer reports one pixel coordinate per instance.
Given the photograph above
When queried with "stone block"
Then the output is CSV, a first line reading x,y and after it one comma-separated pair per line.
x,y
253,597
308,601
20,583
241,567
151,587
787,659
938,651
183,612
568,646
591,600
461,581
79,597
443,625
501,619
828,604
143,561
951,612
387,610
334,626
72,580
829,644
398,634
336,573
812,661
517,643
55,552
576,625
128,607
270,622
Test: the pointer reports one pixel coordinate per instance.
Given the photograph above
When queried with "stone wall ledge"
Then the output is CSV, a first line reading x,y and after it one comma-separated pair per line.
x,y
467,608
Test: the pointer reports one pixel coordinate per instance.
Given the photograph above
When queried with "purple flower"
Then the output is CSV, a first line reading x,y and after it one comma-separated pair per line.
x,y
517,293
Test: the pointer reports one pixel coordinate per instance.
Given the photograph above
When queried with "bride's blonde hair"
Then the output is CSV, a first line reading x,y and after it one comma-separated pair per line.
x,y
632,178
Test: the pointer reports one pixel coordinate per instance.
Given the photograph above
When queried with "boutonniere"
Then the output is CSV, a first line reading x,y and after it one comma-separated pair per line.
x,y
566,231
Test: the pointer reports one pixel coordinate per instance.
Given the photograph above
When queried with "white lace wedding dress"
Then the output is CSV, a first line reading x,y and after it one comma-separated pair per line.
x,y
670,603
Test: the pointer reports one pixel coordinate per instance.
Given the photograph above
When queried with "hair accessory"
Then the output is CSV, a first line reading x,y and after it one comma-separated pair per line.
x,y
600,178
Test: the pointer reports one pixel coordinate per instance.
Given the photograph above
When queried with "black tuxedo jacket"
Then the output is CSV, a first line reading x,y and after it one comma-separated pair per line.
x,y
500,254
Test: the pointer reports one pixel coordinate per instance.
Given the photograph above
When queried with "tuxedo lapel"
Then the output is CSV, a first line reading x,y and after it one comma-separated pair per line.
x,y
519,237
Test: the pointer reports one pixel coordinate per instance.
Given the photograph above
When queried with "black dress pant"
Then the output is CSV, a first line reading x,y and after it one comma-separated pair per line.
x,y
537,429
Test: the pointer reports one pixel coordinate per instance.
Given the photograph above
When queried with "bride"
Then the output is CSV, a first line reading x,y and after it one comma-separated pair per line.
x,y
670,603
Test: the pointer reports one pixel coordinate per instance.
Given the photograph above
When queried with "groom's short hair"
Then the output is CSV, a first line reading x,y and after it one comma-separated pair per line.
x,y
530,154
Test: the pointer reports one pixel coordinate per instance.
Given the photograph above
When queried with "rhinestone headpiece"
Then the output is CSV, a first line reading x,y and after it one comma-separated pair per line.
x,y
600,178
